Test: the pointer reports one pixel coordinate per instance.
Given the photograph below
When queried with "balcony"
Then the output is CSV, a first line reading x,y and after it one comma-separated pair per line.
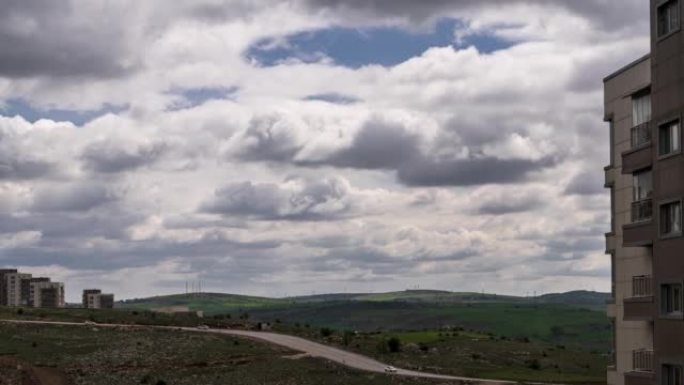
x,y
642,360
639,307
642,372
641,231
610,176
611,243
639,155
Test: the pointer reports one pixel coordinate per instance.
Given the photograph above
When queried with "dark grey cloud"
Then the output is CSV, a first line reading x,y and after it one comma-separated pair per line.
x,y
382,145
79,197
23,169
470,171
572,248
333,98
309,200
269,138
605,15
59,38
510,205
586,183
132,254
112,157
378,145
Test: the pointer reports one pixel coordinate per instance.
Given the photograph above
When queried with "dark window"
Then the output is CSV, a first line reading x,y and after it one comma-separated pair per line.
x,y
671,298
671,218
668,18
670,138
672,375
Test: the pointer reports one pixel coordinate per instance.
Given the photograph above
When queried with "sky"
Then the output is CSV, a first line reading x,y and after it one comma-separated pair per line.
x,y
292,147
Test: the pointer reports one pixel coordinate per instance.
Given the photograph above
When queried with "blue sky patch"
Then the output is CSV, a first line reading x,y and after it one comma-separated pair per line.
x,y
13,107
356,47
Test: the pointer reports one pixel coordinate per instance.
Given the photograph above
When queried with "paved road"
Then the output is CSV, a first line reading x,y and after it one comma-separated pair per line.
x,y
314,349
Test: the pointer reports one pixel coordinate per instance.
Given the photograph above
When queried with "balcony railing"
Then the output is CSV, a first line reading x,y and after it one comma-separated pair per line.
x,y
641,135
642,360
642,286
642,210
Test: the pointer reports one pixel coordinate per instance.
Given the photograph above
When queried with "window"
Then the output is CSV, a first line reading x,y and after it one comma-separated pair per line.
x,y
671,219
670,139
641,108
672,375
671,298
643,185
668,18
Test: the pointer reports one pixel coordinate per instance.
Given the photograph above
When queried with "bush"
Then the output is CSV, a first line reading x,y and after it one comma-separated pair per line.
x,y
20,311
533,364
326,332
347,337
394,345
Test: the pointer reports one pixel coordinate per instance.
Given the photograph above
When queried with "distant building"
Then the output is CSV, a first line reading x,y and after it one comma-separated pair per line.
x,y
13,284
3,285
94,299
22,289
27,291
48,294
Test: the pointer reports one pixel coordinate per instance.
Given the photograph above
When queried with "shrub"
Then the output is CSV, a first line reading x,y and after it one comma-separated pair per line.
x,y
394,344
326,332
533,364
20,311
347,337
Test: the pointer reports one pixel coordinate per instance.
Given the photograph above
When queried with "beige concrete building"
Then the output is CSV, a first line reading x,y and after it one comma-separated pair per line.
x,y
47,294
13,289
627,106
95,299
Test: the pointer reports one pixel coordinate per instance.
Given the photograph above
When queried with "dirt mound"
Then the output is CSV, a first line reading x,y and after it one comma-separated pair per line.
x,y
16,372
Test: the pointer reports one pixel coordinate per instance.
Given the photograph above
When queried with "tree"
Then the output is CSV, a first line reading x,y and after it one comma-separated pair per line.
x,y
394,344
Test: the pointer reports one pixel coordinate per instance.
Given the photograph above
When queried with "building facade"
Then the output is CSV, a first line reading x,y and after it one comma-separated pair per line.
x,y
47,294
13,289
22,289
3,285
94,299
644,103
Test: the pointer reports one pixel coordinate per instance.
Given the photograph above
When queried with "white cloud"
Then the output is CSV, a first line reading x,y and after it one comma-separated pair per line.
x,y
448,167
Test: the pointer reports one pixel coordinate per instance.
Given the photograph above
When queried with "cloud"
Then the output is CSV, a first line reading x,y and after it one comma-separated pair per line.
x,y
114,157
55,38
470,172
424,172
296,199
586,183
78,197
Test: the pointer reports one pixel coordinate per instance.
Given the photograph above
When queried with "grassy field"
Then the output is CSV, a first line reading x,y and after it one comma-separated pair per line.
x,y
575,318
558,324
114,316
83,355
461,350
473,354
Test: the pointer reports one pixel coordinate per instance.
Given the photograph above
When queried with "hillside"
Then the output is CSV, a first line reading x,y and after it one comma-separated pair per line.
x,y
219,302
575,318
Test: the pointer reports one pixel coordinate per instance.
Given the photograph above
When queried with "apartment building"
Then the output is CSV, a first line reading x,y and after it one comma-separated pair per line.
x,y
22,289
644,102
94,299
48,294
3,285
13,292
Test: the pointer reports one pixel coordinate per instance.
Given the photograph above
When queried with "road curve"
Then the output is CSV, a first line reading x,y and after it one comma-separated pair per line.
x,y
349,359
